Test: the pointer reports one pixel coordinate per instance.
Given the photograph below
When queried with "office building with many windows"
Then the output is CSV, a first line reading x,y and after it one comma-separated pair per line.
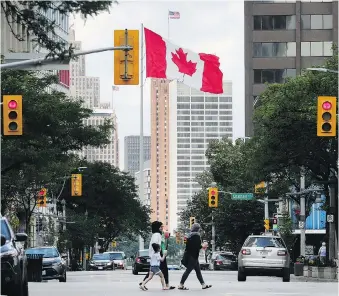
x,y
281,39
195,119
132,153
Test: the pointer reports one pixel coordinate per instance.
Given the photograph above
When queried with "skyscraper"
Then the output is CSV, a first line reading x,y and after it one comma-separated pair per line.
x,y
132,153
196,119
160,155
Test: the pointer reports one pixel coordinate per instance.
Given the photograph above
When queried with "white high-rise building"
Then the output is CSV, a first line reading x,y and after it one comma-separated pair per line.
x,y
110,152
83,87
146,200
196,119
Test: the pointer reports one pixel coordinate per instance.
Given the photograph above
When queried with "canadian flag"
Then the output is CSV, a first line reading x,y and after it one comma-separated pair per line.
x,y
167,60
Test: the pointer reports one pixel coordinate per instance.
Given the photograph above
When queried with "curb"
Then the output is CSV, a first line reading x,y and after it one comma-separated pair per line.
x,y
310,279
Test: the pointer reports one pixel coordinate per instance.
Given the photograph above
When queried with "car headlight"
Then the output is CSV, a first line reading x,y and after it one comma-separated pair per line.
x,y
109,263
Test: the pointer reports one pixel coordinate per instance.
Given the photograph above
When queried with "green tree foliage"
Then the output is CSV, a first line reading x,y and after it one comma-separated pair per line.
x,y
234,220
53,128
286,230
286,131
31,15
111,196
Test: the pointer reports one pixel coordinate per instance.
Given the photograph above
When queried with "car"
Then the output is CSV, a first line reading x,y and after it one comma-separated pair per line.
x,y
264,255
141,262
119,259
173,267
101,262
225,260
14,280
53,266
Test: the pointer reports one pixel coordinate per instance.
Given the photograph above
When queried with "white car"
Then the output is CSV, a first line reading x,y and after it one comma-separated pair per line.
x,y
119,259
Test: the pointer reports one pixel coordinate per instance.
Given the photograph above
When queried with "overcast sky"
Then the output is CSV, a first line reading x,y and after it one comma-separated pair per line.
x,y
204,26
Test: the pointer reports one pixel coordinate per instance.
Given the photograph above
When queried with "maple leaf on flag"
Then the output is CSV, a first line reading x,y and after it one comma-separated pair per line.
x,y
180,59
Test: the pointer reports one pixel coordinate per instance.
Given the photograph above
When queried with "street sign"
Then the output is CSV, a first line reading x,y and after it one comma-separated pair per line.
x,y
301,224
242,196
330,218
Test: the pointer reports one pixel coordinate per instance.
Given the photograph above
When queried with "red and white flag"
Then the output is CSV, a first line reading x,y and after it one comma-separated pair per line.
x,y
167,60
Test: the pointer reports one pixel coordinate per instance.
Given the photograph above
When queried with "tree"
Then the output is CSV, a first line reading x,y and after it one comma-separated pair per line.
x,y
110,195
234,220
53,128
286,230
285,127
31,15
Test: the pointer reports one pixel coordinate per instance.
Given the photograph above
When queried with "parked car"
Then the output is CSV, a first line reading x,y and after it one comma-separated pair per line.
x,y
141,262
100,262
173,267
53,266
119,259
264,255
13,261
225,260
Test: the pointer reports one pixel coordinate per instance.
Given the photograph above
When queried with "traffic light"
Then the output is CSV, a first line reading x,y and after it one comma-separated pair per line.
x,y
275,223
267,224
213,197
114,244
260,188
327,117
76,185
192,221
12,115
185,239
42,199
126,63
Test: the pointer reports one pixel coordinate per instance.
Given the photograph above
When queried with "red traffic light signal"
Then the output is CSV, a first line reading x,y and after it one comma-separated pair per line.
x,y
275,221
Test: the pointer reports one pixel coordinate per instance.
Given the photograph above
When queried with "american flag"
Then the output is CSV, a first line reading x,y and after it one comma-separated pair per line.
x,y
174,14
115,88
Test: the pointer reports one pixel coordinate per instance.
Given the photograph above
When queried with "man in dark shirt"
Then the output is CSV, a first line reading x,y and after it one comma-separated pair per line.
x,y
191,257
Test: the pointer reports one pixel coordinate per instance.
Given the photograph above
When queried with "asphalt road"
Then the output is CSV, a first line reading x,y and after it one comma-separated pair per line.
x,y
108,283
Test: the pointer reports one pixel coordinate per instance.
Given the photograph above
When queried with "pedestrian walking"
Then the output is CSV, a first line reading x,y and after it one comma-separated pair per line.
x,y
191,257
158,237
322,253
155,268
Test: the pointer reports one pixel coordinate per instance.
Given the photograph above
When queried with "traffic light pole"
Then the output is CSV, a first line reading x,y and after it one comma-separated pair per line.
x,y
50,60
141,140
302,215
213,234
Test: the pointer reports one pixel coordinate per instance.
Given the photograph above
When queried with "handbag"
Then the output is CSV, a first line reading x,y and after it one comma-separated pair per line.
x,y
184,260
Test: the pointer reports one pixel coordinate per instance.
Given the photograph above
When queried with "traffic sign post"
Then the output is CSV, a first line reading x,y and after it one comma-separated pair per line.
x,y
242,196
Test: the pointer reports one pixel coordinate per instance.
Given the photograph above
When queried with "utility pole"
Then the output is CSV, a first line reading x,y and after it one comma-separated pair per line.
x,y
302,214
332,234
213,234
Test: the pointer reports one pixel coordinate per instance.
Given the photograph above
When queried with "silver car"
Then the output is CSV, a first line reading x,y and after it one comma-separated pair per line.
x,y
264,255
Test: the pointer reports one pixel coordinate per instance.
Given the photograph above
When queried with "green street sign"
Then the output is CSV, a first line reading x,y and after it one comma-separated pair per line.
x,y
242,196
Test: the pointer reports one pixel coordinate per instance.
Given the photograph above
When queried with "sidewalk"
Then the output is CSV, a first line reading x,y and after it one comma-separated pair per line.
x,y
310,279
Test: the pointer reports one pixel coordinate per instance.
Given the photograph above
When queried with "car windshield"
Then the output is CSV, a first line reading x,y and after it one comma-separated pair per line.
x,y
47,252
4,230
116,256
101,257
143,253
264,242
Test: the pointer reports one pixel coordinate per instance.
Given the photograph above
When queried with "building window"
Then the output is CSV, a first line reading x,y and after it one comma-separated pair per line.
x,y
274,22
276,49
316,49
317,22
272,75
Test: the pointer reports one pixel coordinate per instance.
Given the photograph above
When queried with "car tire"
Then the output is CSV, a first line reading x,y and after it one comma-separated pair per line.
x,y
241,276
286,275
63,279
135,272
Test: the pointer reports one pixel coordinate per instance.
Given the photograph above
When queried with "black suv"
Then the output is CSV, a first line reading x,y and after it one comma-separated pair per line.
x,y
13,262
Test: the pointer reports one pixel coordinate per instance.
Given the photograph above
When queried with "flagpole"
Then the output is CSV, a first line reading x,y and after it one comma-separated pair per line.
x,y
168,23
141,149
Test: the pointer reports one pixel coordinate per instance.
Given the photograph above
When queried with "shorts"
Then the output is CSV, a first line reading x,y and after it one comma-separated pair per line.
x,y
155,269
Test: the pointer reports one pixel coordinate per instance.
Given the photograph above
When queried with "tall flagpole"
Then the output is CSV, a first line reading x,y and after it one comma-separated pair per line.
x,y
141,159
168,23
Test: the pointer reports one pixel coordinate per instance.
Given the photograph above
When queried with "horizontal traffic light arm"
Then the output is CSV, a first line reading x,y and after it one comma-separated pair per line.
x,y
47,60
